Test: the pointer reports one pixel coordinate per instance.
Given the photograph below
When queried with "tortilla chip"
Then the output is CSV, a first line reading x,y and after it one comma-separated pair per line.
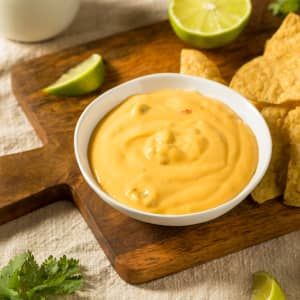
x,y
194,62
274,78
292,190
258,105
286,39
273,183
269,80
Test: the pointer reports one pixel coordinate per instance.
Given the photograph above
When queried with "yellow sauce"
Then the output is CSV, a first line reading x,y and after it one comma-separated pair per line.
x,y
172,152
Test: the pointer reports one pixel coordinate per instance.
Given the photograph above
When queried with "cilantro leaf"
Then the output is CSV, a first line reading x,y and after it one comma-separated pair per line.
x,y
9,277
283,7
57,277
6,293
24,279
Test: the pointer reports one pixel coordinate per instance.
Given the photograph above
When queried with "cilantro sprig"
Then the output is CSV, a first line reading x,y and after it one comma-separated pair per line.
x,y
23,279
283,7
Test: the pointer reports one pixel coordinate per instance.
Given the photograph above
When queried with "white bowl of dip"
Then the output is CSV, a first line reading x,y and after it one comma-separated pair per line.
x,y
102,105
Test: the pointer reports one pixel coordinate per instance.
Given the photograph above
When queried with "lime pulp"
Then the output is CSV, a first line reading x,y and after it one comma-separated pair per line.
x,y
265,287
84,78
209,23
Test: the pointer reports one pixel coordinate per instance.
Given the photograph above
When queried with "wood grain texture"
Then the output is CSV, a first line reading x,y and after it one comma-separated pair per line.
x,y
139,252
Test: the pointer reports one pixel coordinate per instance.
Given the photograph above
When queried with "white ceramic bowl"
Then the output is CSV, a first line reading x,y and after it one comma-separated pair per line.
x,y
110,99
36,20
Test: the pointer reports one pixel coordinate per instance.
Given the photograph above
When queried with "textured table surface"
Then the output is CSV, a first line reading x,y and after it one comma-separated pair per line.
x,y
59,229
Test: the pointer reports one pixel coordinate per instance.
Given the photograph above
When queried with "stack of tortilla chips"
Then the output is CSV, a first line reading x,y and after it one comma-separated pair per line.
x,y
272,83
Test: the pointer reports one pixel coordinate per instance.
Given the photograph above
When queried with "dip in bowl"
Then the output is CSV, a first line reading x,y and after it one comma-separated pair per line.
x,y
172,149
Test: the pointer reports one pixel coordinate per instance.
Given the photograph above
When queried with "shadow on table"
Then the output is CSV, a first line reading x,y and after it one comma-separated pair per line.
x,y
233,273
34,219
206,275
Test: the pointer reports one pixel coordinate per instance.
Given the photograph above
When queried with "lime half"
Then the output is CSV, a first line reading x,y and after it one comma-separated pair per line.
x,y
209,23
265,287
82,79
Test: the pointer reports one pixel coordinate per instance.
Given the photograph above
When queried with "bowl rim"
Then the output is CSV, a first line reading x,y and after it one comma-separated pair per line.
x,y
222,207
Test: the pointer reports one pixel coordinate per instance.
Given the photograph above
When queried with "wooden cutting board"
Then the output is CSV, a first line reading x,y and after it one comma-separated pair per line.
x,y
139,252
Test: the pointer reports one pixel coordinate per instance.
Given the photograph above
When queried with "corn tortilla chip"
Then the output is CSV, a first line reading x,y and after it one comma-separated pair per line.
x,y
273,183
274,78
286,39
194,62
269,80
292,190
258,105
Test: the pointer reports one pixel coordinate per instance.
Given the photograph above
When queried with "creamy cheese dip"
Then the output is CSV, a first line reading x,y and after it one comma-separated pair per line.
x,y
172,152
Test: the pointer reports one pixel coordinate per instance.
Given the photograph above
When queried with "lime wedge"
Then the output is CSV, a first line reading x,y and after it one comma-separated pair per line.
x,y
209,23
82,79
265,287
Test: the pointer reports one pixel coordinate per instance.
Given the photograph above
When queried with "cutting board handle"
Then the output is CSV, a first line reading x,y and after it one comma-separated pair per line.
x,y
29,181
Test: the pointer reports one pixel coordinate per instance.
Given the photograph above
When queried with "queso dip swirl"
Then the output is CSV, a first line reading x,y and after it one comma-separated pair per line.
x,y
172,152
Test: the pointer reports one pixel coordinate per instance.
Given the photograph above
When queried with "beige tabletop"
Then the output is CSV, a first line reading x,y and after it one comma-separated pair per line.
x,y
59,229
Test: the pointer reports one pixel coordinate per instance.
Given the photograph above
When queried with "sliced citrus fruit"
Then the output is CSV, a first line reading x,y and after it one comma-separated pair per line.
x,y
265,287
208,23
82,79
